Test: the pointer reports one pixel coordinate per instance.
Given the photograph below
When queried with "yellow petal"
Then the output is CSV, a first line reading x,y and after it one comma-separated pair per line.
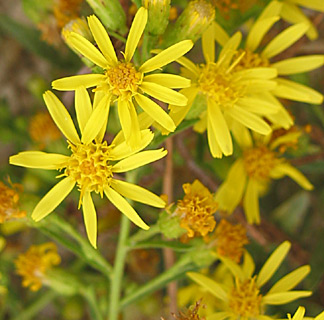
x,y
61,117
273,263
249,120
258,86
284,40
291,280
230,192
251,202
214,147
299,314
299,64
291,13
39,160
258,31
208,44
312,4
220,128
284,297
98,96
168,80
210,285
83,107
220,34
90,218
241,135
166,56
87,49
155,112
190,67
123,150
284,169
233,267
229,49
282,118
53,198
129,123
248,265
102,39
287,138
121,204
257,73
163,94
137,193
135,33
138,160
319,317
272,9
74,82
258,106
96,121
288,89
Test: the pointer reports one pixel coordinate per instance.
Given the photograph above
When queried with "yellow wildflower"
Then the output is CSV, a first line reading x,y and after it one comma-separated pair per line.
x,y
92,163
42,129
196,210
299,315
230,240
9,202
254,57
242,299
253,171
123,82
230,95
293,14
33,264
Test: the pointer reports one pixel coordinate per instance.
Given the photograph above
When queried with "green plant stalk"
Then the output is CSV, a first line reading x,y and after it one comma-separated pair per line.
x,y
184,264
90,296
142,235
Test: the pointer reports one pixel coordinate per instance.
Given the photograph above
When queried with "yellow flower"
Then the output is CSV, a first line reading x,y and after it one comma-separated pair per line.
x,y
43,130
9,202
253,171
254,57
230,240
242,299
292,13
196,210
123,82
299,315
92,163
33,264
230,95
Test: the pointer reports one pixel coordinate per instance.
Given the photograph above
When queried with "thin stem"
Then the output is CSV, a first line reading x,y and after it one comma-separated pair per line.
x,y
90,296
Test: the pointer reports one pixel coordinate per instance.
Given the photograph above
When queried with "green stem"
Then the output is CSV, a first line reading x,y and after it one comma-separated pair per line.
x,y
142,235
90,296
175,272
118,269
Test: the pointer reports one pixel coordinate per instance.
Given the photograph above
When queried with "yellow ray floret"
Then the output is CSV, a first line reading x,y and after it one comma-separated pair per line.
x,y
91,164
126,83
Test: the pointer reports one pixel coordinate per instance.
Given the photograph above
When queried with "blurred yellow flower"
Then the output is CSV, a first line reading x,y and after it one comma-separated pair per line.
x,y
242,299
196,210
9,202
299,315
92,163
33,264
252,172
254,57
123,82
230,95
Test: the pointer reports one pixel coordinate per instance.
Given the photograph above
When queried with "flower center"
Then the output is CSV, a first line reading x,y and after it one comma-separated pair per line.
x,y
251,60
245,298
230,240
123,79
89,166
259,162
219,85
196,210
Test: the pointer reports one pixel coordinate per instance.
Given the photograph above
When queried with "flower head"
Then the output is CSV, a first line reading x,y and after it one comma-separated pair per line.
x,y
123,81
196,210
228,95
249,176
243,299
9,202
33,264
255,56
92,163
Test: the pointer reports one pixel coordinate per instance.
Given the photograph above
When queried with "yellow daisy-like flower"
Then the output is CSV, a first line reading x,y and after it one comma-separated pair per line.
x,y
92,163
33,264
252,172
123,82
230,95
293,14
196,210
254,57
299,315
242,299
